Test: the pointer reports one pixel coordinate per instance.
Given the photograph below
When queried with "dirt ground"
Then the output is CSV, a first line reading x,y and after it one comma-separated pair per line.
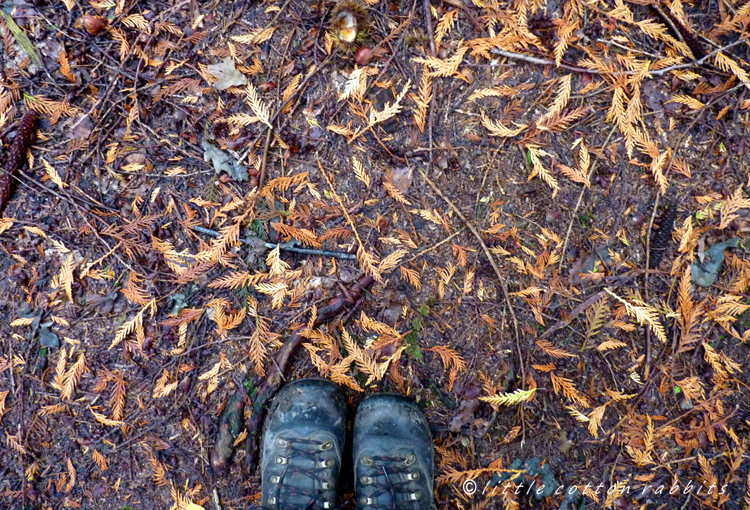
x,y
531,216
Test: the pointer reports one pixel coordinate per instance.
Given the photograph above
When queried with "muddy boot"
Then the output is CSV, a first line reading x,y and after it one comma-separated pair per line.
x,y
302,444
393,455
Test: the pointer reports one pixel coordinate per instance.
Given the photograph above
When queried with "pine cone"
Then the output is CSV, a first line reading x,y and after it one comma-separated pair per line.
x,y
24,138
662,236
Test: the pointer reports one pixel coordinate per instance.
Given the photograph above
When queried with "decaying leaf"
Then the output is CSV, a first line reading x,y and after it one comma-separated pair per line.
x,y
706,272
223,162
226,74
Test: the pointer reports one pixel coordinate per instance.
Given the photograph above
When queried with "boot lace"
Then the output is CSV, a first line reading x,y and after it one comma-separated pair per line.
x,y
390,475
306,471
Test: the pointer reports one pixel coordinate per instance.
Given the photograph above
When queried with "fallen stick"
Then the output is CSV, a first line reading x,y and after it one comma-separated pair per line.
x,y
230,421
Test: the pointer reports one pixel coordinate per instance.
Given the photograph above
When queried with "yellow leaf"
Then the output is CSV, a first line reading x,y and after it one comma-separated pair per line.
x,y
688,101
65,66
5,224
37,231
445,25
509,399
497,129
257,36
259,108
359,172
444,68
22,321
423,99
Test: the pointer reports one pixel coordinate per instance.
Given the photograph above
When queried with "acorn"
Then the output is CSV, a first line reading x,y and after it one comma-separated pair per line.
x,y
349,24
94,25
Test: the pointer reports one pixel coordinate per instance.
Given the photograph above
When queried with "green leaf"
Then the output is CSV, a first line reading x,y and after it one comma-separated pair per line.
x,y
412,346
23,41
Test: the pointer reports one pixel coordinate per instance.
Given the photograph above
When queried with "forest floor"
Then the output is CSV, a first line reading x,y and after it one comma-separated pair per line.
x,y
532,216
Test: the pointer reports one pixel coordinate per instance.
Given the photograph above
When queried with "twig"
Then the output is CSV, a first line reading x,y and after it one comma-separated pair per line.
x,y
461,99
580,198
431,248
544,62
301,87
623,47
80,209
231,419
19,398
65,197
491,259
286,246
349,220
311,251
578,310
273,21
647,361
433,50
264,159
428,24
660,72
217,503
669,22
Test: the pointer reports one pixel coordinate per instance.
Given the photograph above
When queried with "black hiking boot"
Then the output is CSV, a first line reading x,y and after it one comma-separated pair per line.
x,y
393,455
302,444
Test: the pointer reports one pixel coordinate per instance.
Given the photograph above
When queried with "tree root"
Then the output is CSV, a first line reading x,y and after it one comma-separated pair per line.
x,y
230,421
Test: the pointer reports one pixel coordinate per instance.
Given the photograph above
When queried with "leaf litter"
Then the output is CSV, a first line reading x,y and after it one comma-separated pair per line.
x,y
495,168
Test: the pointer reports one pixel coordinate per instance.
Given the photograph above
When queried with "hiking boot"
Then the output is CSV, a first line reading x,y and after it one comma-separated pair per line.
x,y
302,444
393,455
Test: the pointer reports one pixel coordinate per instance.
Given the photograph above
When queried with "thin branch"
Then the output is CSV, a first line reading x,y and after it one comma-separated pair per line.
x,y
433,51
290,247
301,87
491,259
660,72
580,199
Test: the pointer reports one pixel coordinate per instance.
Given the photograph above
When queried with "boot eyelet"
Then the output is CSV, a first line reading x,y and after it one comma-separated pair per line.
x,y
282,442
275,479
413,476
326,446
282,460
367,501
271,500
414,496
327,504
367,461
325,485
365,480
328,463
410,459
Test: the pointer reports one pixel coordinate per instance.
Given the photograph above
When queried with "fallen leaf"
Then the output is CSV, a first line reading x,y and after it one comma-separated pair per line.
x,y
401,178
226,75
223,162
